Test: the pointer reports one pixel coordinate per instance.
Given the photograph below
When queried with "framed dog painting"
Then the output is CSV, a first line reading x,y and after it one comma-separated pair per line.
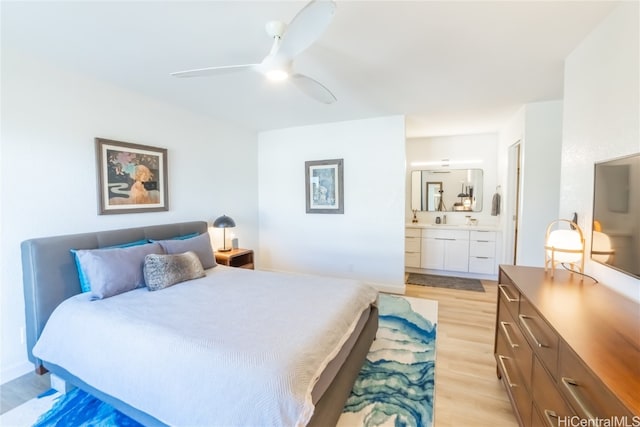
x,y
131,177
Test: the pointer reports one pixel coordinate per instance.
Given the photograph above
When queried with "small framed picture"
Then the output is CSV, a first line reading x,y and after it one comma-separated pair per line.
x,y
324,186
132,178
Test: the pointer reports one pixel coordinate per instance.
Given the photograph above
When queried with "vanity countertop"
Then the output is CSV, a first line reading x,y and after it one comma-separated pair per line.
x,y
453,226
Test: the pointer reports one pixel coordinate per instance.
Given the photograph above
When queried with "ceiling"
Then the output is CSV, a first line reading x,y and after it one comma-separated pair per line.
x,y
452,67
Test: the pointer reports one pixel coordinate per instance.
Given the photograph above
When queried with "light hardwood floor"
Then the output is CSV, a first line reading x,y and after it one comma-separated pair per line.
x,y
468,392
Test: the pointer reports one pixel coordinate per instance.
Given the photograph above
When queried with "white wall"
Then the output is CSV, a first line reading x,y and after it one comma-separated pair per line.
x,y
476,147
601,120
538,128
512,133
49,120
540,169
367,241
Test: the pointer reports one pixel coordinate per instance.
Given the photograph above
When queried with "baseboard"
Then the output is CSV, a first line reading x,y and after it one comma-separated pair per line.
x,y
10,373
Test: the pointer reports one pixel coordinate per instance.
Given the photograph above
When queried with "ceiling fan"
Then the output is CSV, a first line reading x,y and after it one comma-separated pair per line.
x,y
288,41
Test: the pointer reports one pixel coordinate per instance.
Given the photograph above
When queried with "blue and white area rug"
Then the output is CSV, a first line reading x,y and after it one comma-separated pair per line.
x,y
395,386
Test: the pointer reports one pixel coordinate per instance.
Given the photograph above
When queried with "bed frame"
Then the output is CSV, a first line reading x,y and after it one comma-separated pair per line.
x,y
50,277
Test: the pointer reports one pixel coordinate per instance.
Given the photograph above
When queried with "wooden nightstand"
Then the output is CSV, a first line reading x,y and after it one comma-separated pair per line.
x,y
242,258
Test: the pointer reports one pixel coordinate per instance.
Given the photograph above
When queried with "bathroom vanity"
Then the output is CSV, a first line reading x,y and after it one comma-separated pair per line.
x,y
442,249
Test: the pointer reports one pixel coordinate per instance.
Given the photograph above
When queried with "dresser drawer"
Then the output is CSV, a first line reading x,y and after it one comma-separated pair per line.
x,y
412,244
512,380
540,335
584,392
508,292
547,398
412,232
520,349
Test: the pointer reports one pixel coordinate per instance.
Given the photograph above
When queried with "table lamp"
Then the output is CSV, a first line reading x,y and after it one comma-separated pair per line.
x,y
224,222
564,246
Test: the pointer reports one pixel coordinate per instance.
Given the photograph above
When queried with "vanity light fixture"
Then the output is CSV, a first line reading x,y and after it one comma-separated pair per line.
x,y
224,222
564,246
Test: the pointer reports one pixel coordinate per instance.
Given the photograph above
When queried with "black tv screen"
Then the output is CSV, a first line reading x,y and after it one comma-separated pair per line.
x,y
615,239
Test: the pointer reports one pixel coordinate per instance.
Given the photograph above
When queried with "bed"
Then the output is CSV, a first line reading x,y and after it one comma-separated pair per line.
x,y
178,370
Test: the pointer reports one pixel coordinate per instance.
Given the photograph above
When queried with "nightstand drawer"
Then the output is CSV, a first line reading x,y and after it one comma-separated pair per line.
x,y
242,258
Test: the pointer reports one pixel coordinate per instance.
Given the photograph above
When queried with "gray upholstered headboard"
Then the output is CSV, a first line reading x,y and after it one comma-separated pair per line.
x,y
49,271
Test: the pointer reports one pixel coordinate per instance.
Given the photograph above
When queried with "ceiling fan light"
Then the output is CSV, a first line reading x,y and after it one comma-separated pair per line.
x,y
277,75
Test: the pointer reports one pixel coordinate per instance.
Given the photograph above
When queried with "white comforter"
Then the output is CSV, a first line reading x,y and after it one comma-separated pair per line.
x,y
235,348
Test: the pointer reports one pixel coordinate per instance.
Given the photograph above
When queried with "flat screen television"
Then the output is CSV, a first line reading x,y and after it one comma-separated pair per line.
x,y
615,239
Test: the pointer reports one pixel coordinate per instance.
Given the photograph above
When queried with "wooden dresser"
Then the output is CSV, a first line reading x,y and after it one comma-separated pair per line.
x,y
567,351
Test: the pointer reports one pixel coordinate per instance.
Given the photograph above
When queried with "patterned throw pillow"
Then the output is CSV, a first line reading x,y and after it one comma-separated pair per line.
x,y
162,271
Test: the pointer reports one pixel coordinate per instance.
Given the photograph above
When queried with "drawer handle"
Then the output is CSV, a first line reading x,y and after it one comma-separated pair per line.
x,y
509,340
523,319
506,295
482,241
570,384
482,257
550,414
506,373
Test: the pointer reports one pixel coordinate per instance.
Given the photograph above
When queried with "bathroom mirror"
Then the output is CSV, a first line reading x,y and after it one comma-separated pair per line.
x,y
446,190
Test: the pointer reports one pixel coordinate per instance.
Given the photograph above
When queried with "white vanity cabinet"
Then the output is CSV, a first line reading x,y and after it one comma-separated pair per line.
x,y
482,252
412,242
445,250
458,249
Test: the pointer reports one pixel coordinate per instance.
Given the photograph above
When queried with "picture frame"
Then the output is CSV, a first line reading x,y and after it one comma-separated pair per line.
x,y
324,186
132,178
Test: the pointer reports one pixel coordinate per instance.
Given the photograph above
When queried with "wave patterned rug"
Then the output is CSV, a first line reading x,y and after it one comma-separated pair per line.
x,y
395,386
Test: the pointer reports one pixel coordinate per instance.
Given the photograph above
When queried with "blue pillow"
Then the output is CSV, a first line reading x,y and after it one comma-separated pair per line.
x,y
84,283
201,245
186,236
113,271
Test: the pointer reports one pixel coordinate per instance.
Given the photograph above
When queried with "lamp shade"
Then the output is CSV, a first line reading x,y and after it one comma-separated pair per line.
x,y
224,222
564,246
564,242
601,248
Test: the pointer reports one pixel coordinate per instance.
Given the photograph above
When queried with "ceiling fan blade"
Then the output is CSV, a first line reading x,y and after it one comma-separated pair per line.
x,y
313,88
210,71
307,26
